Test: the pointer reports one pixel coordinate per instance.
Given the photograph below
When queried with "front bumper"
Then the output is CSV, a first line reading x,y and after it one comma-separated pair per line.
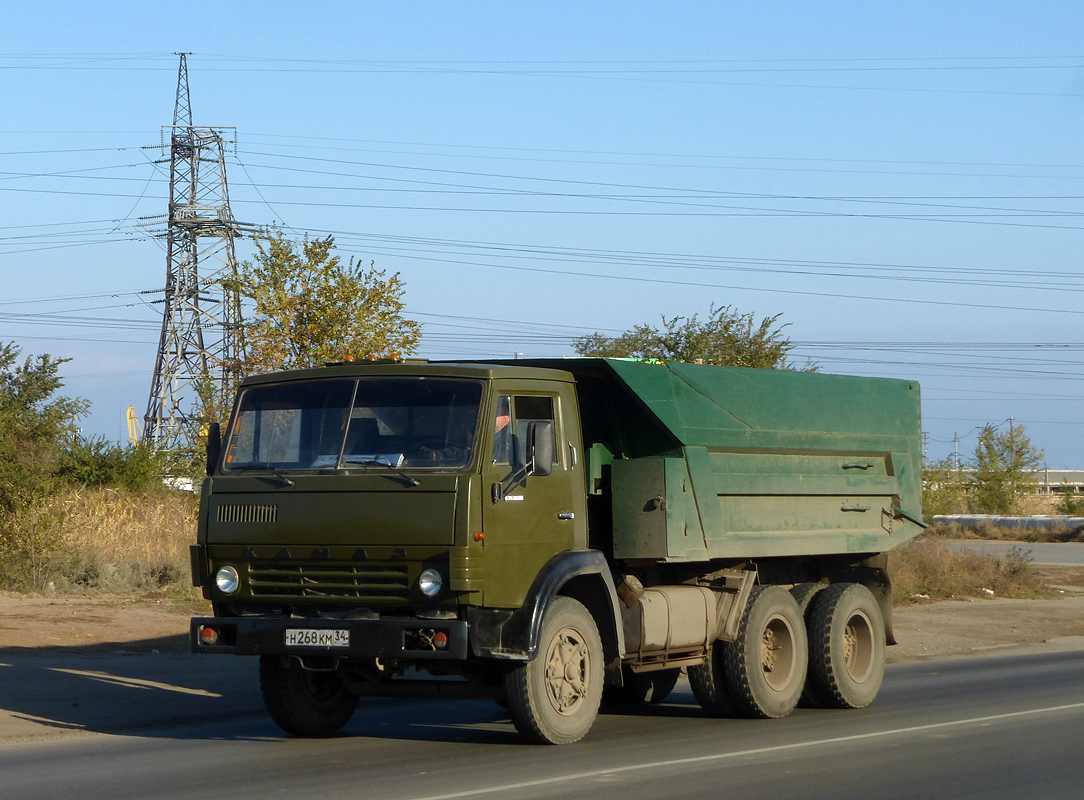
x,y
403,639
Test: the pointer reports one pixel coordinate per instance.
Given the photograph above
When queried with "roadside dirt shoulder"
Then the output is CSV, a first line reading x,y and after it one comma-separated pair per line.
x,y
974,627
95,624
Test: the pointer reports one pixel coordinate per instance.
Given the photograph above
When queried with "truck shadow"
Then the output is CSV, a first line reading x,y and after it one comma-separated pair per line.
x,y
484,721
143,687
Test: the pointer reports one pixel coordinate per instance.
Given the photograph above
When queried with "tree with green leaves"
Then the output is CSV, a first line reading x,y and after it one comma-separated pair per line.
x,y
945,488
307,307
96,462
726,337
35,429
1005,468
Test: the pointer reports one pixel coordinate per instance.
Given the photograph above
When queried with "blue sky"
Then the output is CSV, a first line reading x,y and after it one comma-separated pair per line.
x,y
902,183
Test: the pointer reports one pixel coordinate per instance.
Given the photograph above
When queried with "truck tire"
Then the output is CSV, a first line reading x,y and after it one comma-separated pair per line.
x,y
304,702
846,647
706,682
762,673
803,594
554,697
643,687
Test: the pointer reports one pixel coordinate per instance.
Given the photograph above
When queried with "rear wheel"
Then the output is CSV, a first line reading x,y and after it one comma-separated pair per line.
x,y
304,702
761,673
554,698
846,646
804,594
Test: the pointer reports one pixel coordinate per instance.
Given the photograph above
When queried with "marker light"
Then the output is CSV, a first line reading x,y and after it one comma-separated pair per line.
x,y
208,636
440,640
430,582
227,580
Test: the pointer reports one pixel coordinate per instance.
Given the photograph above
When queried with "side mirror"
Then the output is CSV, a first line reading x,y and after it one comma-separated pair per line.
x,y
540,447
214,446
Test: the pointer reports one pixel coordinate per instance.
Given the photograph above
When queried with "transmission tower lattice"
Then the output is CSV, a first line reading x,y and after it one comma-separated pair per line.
x,y
201,346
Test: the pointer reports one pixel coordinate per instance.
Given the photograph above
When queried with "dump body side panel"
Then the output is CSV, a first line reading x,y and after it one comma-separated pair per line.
x,y
779,463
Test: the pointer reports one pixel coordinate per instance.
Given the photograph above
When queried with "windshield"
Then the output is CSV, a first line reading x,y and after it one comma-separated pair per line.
x,y
355,424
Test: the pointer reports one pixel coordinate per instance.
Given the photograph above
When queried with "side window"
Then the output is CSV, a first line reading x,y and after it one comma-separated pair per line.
x,y
514,415
502,426
533,409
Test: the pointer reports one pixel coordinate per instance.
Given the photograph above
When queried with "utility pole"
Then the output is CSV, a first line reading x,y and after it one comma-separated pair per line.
x,y
201,347
1012,457
956,451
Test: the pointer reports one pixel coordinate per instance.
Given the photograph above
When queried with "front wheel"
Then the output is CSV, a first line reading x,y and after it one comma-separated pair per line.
x,y
304,702
554,698
846,646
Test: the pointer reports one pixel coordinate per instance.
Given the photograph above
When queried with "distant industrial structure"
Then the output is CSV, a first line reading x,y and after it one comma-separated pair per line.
x,y
1061,481
201,345
1049,481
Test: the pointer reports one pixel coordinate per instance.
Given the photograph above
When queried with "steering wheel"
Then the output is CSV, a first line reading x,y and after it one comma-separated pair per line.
x,y
428,448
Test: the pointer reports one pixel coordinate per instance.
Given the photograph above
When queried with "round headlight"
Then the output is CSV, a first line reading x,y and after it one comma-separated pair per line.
x,y
227,580
430,582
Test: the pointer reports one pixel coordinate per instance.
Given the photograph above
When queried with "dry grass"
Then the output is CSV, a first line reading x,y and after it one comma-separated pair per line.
x,y
120,541
927,568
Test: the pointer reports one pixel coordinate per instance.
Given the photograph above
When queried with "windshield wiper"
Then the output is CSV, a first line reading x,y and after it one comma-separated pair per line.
x,y
263,465
380,461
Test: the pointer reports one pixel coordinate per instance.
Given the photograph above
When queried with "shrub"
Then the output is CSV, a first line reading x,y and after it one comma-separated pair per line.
x,y
35,424
927,566
96,463
1070,504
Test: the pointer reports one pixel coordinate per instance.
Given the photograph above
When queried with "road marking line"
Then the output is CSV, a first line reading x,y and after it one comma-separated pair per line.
x,y
135,683
757,751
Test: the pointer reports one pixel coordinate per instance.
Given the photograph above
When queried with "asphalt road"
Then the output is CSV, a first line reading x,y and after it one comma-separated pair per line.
x,y
991,728
1040,552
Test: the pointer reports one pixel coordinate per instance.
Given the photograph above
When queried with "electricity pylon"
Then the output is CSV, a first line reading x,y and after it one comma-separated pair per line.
x,y
201,346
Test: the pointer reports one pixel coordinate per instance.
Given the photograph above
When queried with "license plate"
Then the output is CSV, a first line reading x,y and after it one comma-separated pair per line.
x,y
324,637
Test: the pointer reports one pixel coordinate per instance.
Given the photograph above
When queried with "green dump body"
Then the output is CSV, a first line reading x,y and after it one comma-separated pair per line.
x,y
705,462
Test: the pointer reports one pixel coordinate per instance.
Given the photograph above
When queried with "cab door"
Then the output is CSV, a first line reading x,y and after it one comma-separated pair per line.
x,y
528,518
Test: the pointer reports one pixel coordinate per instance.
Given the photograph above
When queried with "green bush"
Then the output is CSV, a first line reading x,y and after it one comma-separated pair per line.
x,y
96,463
35,426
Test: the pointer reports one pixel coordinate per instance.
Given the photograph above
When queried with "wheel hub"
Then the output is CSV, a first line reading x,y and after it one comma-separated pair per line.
x,y
777,653
568,671
858,646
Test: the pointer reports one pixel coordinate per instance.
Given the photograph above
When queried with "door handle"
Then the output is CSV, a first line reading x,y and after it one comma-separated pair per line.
x,y
566,515
854,507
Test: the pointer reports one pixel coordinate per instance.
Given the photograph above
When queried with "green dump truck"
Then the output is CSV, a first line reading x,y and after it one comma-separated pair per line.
x,y
543,532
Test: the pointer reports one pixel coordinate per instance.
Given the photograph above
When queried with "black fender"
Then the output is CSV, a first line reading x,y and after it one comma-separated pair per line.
x,y
582,575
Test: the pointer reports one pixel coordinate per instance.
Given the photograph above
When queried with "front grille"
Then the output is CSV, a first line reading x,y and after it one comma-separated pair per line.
x,y
368,583
247,513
